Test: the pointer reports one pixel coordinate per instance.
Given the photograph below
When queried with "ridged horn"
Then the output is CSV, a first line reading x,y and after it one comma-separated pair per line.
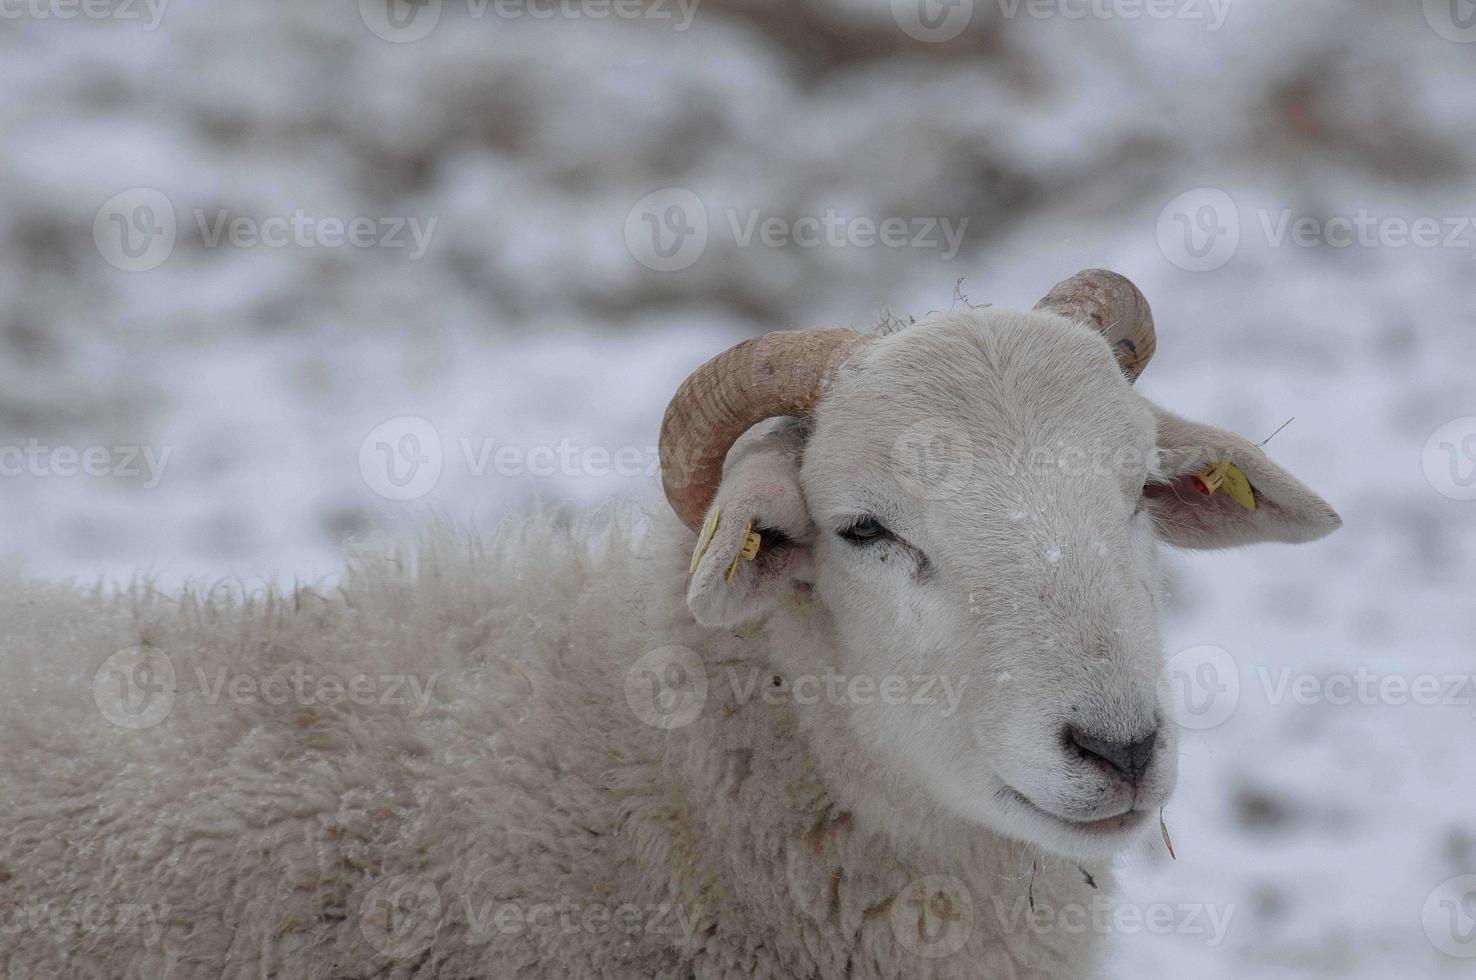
x,y
780,373
1112,306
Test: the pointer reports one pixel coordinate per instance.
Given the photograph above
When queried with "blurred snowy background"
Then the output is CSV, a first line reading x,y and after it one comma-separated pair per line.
x,y
252,248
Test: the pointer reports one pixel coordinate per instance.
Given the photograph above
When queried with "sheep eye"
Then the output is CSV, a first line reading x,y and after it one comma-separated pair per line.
x,y
865,530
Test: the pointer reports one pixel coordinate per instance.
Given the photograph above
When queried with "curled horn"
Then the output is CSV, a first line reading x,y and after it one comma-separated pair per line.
x,y
781,373
787,372
1112,306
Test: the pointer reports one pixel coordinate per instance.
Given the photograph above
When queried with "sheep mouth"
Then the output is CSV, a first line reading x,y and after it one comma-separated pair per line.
x,y
1129,819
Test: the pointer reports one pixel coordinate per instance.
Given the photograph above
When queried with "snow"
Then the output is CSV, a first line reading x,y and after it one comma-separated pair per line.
x,y
1319,828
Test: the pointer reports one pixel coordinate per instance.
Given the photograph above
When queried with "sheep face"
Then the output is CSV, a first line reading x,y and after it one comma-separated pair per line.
x,y
976,505
975,487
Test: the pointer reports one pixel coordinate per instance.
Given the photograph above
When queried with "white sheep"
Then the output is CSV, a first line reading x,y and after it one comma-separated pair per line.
x,y
925,705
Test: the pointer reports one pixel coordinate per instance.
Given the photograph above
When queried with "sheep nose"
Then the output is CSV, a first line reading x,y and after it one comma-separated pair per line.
x,y
1129,759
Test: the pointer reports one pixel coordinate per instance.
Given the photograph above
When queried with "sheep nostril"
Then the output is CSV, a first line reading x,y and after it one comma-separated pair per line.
x,y
1129,759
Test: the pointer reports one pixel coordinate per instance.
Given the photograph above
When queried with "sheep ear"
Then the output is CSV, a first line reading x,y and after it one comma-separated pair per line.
x,y
1185,514
759,494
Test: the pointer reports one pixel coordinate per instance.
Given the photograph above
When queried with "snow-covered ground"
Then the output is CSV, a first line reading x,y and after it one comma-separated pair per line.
x,y
266,272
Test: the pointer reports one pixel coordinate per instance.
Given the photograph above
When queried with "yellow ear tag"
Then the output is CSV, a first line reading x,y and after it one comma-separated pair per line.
x,y
1208,481
1226,474
1237,486
748,552
704,539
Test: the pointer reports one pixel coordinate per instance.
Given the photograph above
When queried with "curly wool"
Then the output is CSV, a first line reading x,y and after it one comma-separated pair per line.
x,y
503,813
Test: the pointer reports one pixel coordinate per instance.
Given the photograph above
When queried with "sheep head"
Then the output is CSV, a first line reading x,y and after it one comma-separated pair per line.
x,y
977,496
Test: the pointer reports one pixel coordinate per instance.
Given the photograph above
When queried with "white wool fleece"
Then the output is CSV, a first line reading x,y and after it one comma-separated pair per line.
x,y
524,823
